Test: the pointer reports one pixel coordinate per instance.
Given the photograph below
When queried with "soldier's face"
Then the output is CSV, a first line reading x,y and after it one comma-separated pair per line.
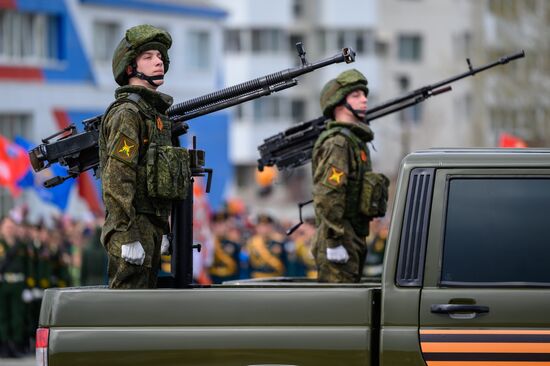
x,y
357,100
150,63
8,228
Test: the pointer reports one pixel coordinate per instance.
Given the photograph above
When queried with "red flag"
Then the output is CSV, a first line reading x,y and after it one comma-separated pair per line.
x,y
14,165
202,234
508,140
89,193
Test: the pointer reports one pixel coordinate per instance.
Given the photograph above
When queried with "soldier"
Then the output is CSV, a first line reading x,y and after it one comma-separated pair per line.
x,y
227,249
44,265
376,242
142,173
94,259
266,250
305,261
346,194
13,291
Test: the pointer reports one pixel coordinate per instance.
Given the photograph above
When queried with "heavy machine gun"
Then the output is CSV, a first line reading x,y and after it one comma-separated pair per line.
x,y
293,147
79,151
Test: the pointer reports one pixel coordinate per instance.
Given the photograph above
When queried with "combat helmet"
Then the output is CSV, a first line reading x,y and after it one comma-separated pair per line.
x,y
336,90
139,39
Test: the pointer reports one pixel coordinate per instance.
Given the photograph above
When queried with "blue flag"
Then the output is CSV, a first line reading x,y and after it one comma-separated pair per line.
x,y
58,195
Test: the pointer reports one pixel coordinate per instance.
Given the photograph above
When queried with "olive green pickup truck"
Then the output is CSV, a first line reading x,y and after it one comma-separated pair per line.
x,y
466,281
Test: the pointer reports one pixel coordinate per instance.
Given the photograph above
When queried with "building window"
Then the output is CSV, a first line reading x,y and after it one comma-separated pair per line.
x,y
232,40
298,110
267,108
356,39
106,37
414,112
410,47
295,38
201,58
28,37
504,8
298,8
267,40
462,44
322,40
244,175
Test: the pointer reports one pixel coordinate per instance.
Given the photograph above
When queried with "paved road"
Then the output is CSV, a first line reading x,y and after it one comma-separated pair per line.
x,y
25,361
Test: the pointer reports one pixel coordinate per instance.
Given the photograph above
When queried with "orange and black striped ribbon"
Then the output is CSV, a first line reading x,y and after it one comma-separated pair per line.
x,y
485,347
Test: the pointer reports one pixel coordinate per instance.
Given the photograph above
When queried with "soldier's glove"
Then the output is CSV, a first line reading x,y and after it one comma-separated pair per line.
x,y
338,254
26,296
133,253
165,245
37,293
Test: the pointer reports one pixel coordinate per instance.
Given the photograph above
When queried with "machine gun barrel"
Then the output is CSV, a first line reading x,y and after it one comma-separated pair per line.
x,y
347,55
293,147
423,91
251,89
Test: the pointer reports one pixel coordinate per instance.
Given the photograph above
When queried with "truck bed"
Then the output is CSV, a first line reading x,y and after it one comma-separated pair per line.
x,y
233,324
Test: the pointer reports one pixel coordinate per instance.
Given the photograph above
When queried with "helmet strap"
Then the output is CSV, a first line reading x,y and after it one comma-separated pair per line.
x,y
149,79
356,113
142,76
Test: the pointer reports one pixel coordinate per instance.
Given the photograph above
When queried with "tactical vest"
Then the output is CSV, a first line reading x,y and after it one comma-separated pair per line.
x,y
354,211
155,130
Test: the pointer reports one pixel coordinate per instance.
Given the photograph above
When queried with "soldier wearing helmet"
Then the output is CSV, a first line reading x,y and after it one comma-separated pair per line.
x,y
133,132
344,185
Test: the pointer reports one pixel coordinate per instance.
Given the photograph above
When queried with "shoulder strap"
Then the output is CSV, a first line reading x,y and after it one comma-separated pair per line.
x,y
326,134
133,98
342,131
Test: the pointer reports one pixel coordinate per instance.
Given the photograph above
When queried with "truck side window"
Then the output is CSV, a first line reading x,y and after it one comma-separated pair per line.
x,y
497,232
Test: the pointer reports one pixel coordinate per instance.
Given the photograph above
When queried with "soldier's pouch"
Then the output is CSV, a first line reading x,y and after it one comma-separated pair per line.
x,y
168,172
374,194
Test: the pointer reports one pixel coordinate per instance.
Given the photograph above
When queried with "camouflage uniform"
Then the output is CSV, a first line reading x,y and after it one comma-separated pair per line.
x,y
131,215
340,160
131,127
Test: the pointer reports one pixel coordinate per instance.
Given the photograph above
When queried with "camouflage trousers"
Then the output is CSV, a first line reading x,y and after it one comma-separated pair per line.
x,y
349,272
124,275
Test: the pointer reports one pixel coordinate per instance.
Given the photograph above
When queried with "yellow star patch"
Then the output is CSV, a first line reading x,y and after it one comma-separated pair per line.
x,y
335,177
125,149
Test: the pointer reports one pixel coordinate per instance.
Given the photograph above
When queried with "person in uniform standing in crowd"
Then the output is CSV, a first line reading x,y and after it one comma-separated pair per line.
x,y
225,266
346,193
94,259
60,259
142,173
266,250
14,263
376,242
303,237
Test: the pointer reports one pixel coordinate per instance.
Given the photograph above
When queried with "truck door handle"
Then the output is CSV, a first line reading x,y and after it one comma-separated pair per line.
x,y
458,308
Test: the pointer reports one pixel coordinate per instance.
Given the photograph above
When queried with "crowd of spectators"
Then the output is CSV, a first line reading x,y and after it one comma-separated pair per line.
x,y
67,252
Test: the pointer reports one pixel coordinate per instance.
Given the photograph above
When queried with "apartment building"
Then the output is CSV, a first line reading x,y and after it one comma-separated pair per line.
x,y
514,99
400,45
55,69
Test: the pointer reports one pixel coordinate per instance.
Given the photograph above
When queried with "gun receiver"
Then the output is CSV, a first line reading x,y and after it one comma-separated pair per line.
x,y
293,147
79,151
